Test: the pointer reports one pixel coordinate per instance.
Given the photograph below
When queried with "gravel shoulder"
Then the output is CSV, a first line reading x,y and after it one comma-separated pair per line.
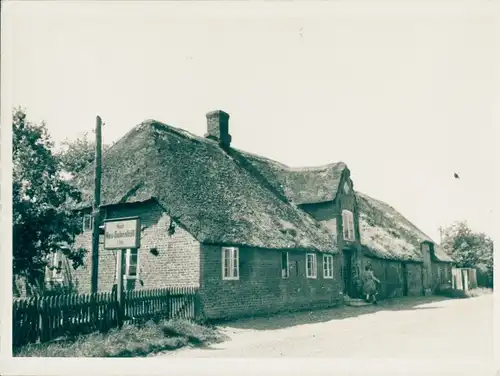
x,y
414,327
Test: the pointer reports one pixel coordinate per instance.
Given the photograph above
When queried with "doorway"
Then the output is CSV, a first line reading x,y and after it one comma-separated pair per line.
x,y
347,274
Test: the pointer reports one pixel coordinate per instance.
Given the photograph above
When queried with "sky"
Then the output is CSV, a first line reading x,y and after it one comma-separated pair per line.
x,y
404,96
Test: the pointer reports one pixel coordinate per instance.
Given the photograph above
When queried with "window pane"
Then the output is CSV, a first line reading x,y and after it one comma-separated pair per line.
x,y
225,262
235,262
284,264
132,271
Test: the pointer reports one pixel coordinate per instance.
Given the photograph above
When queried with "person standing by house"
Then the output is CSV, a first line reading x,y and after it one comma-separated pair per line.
x,y
369,286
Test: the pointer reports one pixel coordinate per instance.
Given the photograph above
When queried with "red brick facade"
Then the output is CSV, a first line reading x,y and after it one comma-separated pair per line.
x,y
176,261
175,258
260,287
182,261
330,214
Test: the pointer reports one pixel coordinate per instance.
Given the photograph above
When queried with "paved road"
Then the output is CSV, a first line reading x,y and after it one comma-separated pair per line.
x,y
408,327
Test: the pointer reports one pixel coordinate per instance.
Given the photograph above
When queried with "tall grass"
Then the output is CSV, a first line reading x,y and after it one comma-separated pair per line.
x,y
130,341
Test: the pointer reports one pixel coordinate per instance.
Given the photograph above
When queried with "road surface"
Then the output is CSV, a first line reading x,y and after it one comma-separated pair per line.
x,y
422,327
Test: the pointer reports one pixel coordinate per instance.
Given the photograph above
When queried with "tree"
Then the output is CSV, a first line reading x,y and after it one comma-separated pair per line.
x,y
42,222
77,154
469,249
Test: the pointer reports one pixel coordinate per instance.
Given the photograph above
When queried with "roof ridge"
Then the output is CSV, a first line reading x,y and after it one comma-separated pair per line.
x,y
315,168
287,167
240,161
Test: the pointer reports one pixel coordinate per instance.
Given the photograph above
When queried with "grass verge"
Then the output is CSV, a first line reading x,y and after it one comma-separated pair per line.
x,y
130,341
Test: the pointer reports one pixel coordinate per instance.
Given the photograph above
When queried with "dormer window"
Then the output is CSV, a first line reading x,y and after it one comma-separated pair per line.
x,y
348,225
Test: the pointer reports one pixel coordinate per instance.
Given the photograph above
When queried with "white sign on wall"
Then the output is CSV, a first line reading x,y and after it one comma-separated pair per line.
x,y
122,233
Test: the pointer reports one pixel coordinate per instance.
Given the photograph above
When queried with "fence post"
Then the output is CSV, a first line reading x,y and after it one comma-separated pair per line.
x,y
167,297
197,306
41,307
119,288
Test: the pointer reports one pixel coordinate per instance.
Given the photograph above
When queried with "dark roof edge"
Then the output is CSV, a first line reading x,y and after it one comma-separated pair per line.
x,y
298,249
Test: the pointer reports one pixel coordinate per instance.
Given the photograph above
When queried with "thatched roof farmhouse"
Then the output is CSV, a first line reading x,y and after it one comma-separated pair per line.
x,y
247,229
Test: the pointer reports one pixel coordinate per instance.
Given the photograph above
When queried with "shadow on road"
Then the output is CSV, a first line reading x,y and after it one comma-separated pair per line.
x,y
289,319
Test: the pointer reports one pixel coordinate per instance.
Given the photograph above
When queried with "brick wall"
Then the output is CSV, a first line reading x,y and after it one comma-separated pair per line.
x,y
428,278
441,274
260,288
330,214
177,262
414,275
390,274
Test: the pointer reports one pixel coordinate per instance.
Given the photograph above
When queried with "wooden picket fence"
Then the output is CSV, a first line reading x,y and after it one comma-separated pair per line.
x,y
40,319
177,302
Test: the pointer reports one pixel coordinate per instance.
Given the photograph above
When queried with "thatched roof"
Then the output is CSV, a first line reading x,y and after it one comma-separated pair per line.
x,y
203,188
236,198
304,185
385,233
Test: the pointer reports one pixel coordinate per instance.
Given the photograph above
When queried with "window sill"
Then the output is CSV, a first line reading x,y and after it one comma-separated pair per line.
x,y
230,278
311,277
326,277
130,278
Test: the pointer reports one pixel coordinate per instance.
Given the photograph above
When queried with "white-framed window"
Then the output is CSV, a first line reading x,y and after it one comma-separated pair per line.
x,y
130,262
285,267
87,222
348,224
230,263
311,265
328,266
54,271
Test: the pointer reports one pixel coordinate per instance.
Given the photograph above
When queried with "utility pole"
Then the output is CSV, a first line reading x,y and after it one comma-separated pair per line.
x,y
96,206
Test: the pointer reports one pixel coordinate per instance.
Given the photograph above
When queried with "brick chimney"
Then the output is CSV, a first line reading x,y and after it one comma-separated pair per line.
x,y
218,128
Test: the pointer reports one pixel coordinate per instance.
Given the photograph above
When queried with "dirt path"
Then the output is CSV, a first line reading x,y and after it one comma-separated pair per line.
x,y
407,327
